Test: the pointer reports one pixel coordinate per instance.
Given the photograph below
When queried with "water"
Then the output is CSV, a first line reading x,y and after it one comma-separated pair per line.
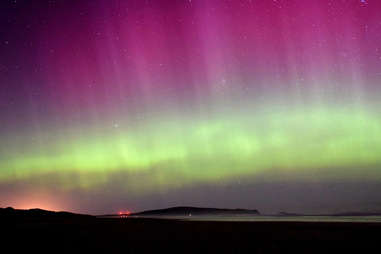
x,y
288,218
263,218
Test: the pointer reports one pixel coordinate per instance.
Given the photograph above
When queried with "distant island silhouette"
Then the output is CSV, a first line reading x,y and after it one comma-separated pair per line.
x,y
198,211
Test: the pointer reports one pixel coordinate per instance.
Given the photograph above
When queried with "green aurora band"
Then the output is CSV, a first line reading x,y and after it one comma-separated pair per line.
x,y
277,142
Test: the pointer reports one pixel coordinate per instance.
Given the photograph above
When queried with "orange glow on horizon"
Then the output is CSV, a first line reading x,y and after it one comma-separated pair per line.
x,y
39,200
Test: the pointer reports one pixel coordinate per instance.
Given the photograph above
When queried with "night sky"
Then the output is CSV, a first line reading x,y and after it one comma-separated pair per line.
x,y
108,105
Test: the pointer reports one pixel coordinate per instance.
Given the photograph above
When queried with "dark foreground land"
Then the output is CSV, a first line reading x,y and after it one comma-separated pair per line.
x,y
73,234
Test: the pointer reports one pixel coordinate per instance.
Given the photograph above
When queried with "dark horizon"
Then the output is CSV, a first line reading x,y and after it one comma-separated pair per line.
x,y
278,202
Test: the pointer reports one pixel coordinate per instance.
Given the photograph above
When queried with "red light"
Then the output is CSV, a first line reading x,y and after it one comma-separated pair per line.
x,y
124,214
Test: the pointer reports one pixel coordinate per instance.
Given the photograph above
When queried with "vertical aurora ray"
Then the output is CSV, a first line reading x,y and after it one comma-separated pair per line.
x,y
174,94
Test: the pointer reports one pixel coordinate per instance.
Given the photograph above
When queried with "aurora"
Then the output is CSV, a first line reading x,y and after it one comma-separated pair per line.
x,y
158,97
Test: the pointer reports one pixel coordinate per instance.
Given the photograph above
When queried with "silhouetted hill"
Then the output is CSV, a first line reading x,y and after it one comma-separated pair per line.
x,y
188,210
37,213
